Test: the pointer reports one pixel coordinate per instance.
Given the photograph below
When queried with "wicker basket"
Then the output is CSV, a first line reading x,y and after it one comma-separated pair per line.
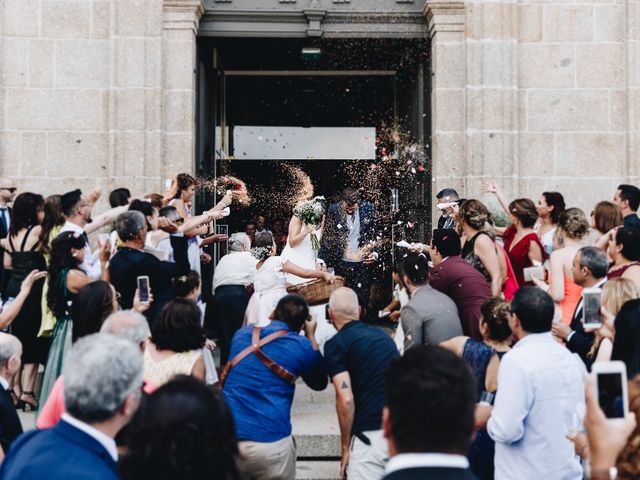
x,y
317,291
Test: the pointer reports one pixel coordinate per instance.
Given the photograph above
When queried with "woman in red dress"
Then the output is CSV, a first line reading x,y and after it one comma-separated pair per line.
x,y
520,241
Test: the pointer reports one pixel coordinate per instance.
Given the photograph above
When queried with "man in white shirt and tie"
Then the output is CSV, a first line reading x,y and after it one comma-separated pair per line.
x,y
77,210
541,387
234,272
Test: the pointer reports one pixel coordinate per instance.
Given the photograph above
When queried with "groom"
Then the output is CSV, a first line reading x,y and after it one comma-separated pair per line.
x,y
349,240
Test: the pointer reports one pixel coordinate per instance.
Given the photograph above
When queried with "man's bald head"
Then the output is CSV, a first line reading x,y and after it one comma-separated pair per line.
x,y
343,306
10,353
7,190
127,324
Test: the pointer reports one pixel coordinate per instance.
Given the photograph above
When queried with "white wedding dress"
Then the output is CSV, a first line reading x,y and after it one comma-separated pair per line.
x,y
305,256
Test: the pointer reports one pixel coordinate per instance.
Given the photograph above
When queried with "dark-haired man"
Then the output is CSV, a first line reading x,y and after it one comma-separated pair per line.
x,y
119,197
541,385
430,317
259,383
590,267
457,279
428,438
357,358
444,197
627,197
349,241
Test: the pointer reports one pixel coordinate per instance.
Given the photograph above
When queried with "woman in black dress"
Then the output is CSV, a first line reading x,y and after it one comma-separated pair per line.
x,y
22,255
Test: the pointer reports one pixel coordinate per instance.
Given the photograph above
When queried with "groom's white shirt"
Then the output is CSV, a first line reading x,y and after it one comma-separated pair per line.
x,y
352,251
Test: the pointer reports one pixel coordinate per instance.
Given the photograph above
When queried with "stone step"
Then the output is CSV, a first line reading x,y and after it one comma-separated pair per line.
x,y
317,470
315,423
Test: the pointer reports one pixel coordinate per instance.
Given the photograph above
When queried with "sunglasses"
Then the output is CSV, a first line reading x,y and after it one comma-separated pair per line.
x,y
11,189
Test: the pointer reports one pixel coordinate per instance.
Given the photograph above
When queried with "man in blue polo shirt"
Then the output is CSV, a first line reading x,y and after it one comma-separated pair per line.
x,y
357,358
259,387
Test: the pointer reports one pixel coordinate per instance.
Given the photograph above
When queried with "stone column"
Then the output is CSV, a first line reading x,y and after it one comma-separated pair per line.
x,y
632,164
179,29
446,19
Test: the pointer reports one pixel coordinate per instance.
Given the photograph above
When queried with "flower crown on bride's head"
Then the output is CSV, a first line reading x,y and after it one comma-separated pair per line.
x,y
261,253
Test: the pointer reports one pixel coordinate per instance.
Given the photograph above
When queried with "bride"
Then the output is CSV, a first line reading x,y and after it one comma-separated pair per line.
x,y
301,249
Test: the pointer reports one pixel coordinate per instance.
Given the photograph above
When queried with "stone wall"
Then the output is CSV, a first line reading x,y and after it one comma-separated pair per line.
x,y
538,95
97,92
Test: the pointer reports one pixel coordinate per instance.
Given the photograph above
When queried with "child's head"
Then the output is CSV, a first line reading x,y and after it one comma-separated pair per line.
x,y
187,286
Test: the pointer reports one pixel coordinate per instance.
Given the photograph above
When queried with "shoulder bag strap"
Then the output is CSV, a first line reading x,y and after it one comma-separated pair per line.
x,y
256,343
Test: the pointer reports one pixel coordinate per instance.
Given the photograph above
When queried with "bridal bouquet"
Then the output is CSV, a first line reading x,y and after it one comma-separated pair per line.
x,y
311,213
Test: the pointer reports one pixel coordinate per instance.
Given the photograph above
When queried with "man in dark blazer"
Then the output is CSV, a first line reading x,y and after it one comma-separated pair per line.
x,y
349,241
7,194
590,267
454,277
102,379
132,261
446,220
428,438
10,426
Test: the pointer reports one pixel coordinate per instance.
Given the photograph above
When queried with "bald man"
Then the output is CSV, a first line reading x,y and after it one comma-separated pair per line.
x,y
10,427
7,194
357,358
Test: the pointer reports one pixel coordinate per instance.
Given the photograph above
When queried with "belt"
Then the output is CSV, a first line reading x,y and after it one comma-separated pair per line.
x,y
363,438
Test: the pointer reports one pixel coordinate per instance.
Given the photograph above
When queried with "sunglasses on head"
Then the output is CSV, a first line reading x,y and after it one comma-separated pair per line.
x,y
11,189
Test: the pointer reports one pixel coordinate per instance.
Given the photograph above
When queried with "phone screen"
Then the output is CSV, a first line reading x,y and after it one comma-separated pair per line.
x,y
591,308
143,289
610,393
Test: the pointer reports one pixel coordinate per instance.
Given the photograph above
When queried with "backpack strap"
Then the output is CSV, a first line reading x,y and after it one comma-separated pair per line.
x,y
256,343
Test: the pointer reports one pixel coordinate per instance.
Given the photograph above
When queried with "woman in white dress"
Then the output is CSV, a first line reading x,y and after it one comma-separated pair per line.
x,y
270,279
300,250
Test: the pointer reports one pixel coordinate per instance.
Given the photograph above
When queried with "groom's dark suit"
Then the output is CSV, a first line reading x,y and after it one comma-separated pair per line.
x,y
334,246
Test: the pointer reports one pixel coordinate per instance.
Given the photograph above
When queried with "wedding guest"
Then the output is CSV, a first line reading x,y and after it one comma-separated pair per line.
x,y
625,349
624,250
66,279
253,388
484,359
8,312
447,218
430,317
357,358
520,242
399,300
155,199
10,426
540,383
550,206
571,230
615,293
279,235
182,412
77,209
627,198
128,324
589,271
479,249
270,281
21,257
605,217
119,197
250,230
175,344
7,194
51,226
428,438
132,261
102,389
458,280
261,223
233,274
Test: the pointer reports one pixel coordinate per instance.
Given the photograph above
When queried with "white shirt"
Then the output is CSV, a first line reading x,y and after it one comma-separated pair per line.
x,y
235,268
352,253
4,383
102,438
405,461
91,264
541,386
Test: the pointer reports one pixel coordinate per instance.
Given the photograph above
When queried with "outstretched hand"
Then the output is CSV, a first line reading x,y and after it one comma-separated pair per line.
x,y
490,187
30,279
167,225
95,194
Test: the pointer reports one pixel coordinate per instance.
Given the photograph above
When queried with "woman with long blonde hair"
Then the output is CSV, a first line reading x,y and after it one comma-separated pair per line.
x,y
615,293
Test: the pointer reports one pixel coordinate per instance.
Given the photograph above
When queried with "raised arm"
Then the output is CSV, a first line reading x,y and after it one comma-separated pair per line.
x,y
294,269
8,314
345,406
492,187
104,218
